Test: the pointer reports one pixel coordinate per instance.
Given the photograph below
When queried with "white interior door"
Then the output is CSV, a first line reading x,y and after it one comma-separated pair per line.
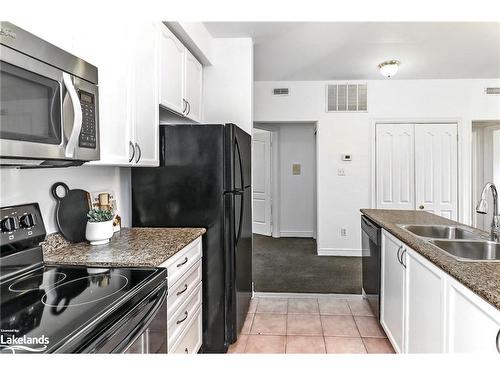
x,y
261,170
395,166
436,165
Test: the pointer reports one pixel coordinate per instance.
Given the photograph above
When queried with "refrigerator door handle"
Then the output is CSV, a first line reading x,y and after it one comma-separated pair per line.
x,y
238,236
237,147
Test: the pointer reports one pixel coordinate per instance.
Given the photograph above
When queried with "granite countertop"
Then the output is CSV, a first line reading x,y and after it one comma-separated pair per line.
x,y
483,278
131,247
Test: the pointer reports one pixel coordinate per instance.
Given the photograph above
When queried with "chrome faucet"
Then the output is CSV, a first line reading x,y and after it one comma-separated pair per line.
x,y
482,208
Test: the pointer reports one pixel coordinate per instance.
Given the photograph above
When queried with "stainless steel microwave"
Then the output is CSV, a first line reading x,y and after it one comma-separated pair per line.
x,y
48,103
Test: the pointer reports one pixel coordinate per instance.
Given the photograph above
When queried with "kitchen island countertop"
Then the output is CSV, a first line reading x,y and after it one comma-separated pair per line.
x,y
130,247
483,278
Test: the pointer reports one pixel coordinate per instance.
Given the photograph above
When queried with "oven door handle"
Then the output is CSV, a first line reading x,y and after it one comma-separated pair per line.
x,y
78,116
139,329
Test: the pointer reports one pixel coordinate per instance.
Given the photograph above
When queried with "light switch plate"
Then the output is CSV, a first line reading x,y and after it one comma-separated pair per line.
x,y
296,169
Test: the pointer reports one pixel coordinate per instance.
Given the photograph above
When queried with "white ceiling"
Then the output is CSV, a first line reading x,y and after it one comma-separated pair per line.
x,y
292,51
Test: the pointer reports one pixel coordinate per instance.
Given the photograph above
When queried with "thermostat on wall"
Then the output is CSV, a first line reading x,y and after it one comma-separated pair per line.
x,y
346,157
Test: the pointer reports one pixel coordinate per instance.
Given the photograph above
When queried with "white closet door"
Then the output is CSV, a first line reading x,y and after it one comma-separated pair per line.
x,y
261,170
395,166
436,169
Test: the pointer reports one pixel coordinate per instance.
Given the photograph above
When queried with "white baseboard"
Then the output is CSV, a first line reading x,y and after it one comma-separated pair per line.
x,y
290,233
339,252
305,295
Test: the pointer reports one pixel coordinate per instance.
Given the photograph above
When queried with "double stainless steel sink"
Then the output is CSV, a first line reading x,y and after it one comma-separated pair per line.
x,y
460,243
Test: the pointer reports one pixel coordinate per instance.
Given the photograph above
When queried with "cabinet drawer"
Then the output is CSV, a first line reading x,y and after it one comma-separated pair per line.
x,y
179,320
179,263
190,340
180,291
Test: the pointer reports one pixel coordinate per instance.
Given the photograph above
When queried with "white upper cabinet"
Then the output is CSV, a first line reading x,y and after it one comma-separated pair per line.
x,y
181,77
126,56
194,84
145,95
100,46
172,71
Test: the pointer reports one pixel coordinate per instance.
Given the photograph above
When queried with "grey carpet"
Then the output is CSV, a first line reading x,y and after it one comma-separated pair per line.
x,y
290,265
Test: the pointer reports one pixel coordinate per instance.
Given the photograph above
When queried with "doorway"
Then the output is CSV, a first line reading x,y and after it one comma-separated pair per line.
x,y
285,210
284,180
485,149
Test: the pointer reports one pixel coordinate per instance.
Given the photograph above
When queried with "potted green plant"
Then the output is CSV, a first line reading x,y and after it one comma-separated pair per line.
x,y
99,226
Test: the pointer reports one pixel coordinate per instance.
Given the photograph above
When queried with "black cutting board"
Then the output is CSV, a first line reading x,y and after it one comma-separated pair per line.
x,y
71,211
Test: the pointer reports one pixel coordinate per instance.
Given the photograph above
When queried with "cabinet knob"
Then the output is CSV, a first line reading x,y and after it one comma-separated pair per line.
x,y
421,207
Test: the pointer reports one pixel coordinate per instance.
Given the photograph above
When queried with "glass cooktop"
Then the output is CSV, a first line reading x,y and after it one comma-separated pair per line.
x,y
46,309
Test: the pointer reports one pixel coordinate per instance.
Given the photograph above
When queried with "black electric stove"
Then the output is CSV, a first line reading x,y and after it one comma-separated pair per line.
x,y
68,309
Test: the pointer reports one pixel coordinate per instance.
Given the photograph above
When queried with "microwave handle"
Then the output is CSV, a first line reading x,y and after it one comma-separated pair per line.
x,y
77,121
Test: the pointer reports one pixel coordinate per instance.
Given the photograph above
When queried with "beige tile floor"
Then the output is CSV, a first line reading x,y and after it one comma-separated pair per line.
x,y
311,325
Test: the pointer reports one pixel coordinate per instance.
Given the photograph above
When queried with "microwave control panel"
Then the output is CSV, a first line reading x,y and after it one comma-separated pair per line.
x,y
88,132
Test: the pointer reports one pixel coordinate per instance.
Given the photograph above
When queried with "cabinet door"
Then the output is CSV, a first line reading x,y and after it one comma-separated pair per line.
x,y
424,305
395,166
436,166
172,65
392,292
194,84
473,324
107,46
145,94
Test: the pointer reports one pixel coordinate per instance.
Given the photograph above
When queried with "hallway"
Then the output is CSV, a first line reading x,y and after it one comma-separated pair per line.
x,y
290,265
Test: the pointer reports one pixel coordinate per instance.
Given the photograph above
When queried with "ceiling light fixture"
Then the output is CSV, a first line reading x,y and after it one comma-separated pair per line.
x,y
389,68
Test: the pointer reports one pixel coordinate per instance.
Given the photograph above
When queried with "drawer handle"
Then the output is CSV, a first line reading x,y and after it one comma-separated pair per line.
x,y
183,290
186,351
183,319
183,263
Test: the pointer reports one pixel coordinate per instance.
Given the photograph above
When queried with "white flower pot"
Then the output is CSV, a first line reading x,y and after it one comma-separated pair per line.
x,y
99,233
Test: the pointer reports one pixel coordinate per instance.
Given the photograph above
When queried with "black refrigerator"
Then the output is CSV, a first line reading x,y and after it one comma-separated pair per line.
x,y
204,180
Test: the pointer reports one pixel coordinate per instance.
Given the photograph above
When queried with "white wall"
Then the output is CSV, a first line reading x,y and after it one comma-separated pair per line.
x,y
228,83
340,198
297,205
27,186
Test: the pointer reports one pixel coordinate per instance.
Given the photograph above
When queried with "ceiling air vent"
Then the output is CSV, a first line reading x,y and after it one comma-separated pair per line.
x,y
349,97
281,91
492,90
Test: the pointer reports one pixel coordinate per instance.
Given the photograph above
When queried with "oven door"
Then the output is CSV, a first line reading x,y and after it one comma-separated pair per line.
x,y
143,329
40,110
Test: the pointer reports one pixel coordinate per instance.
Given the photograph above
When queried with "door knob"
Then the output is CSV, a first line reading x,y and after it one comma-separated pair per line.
x,y
421,207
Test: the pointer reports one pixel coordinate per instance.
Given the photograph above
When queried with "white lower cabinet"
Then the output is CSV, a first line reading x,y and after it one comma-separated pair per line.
x,y
392,309
473,325
424,330
184,300
425,310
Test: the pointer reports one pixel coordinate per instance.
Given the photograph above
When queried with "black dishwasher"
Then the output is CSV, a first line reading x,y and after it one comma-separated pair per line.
x,y
371,252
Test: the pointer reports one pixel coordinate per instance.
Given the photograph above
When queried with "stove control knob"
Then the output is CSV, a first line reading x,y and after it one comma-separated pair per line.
x,y
8,224
27,221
